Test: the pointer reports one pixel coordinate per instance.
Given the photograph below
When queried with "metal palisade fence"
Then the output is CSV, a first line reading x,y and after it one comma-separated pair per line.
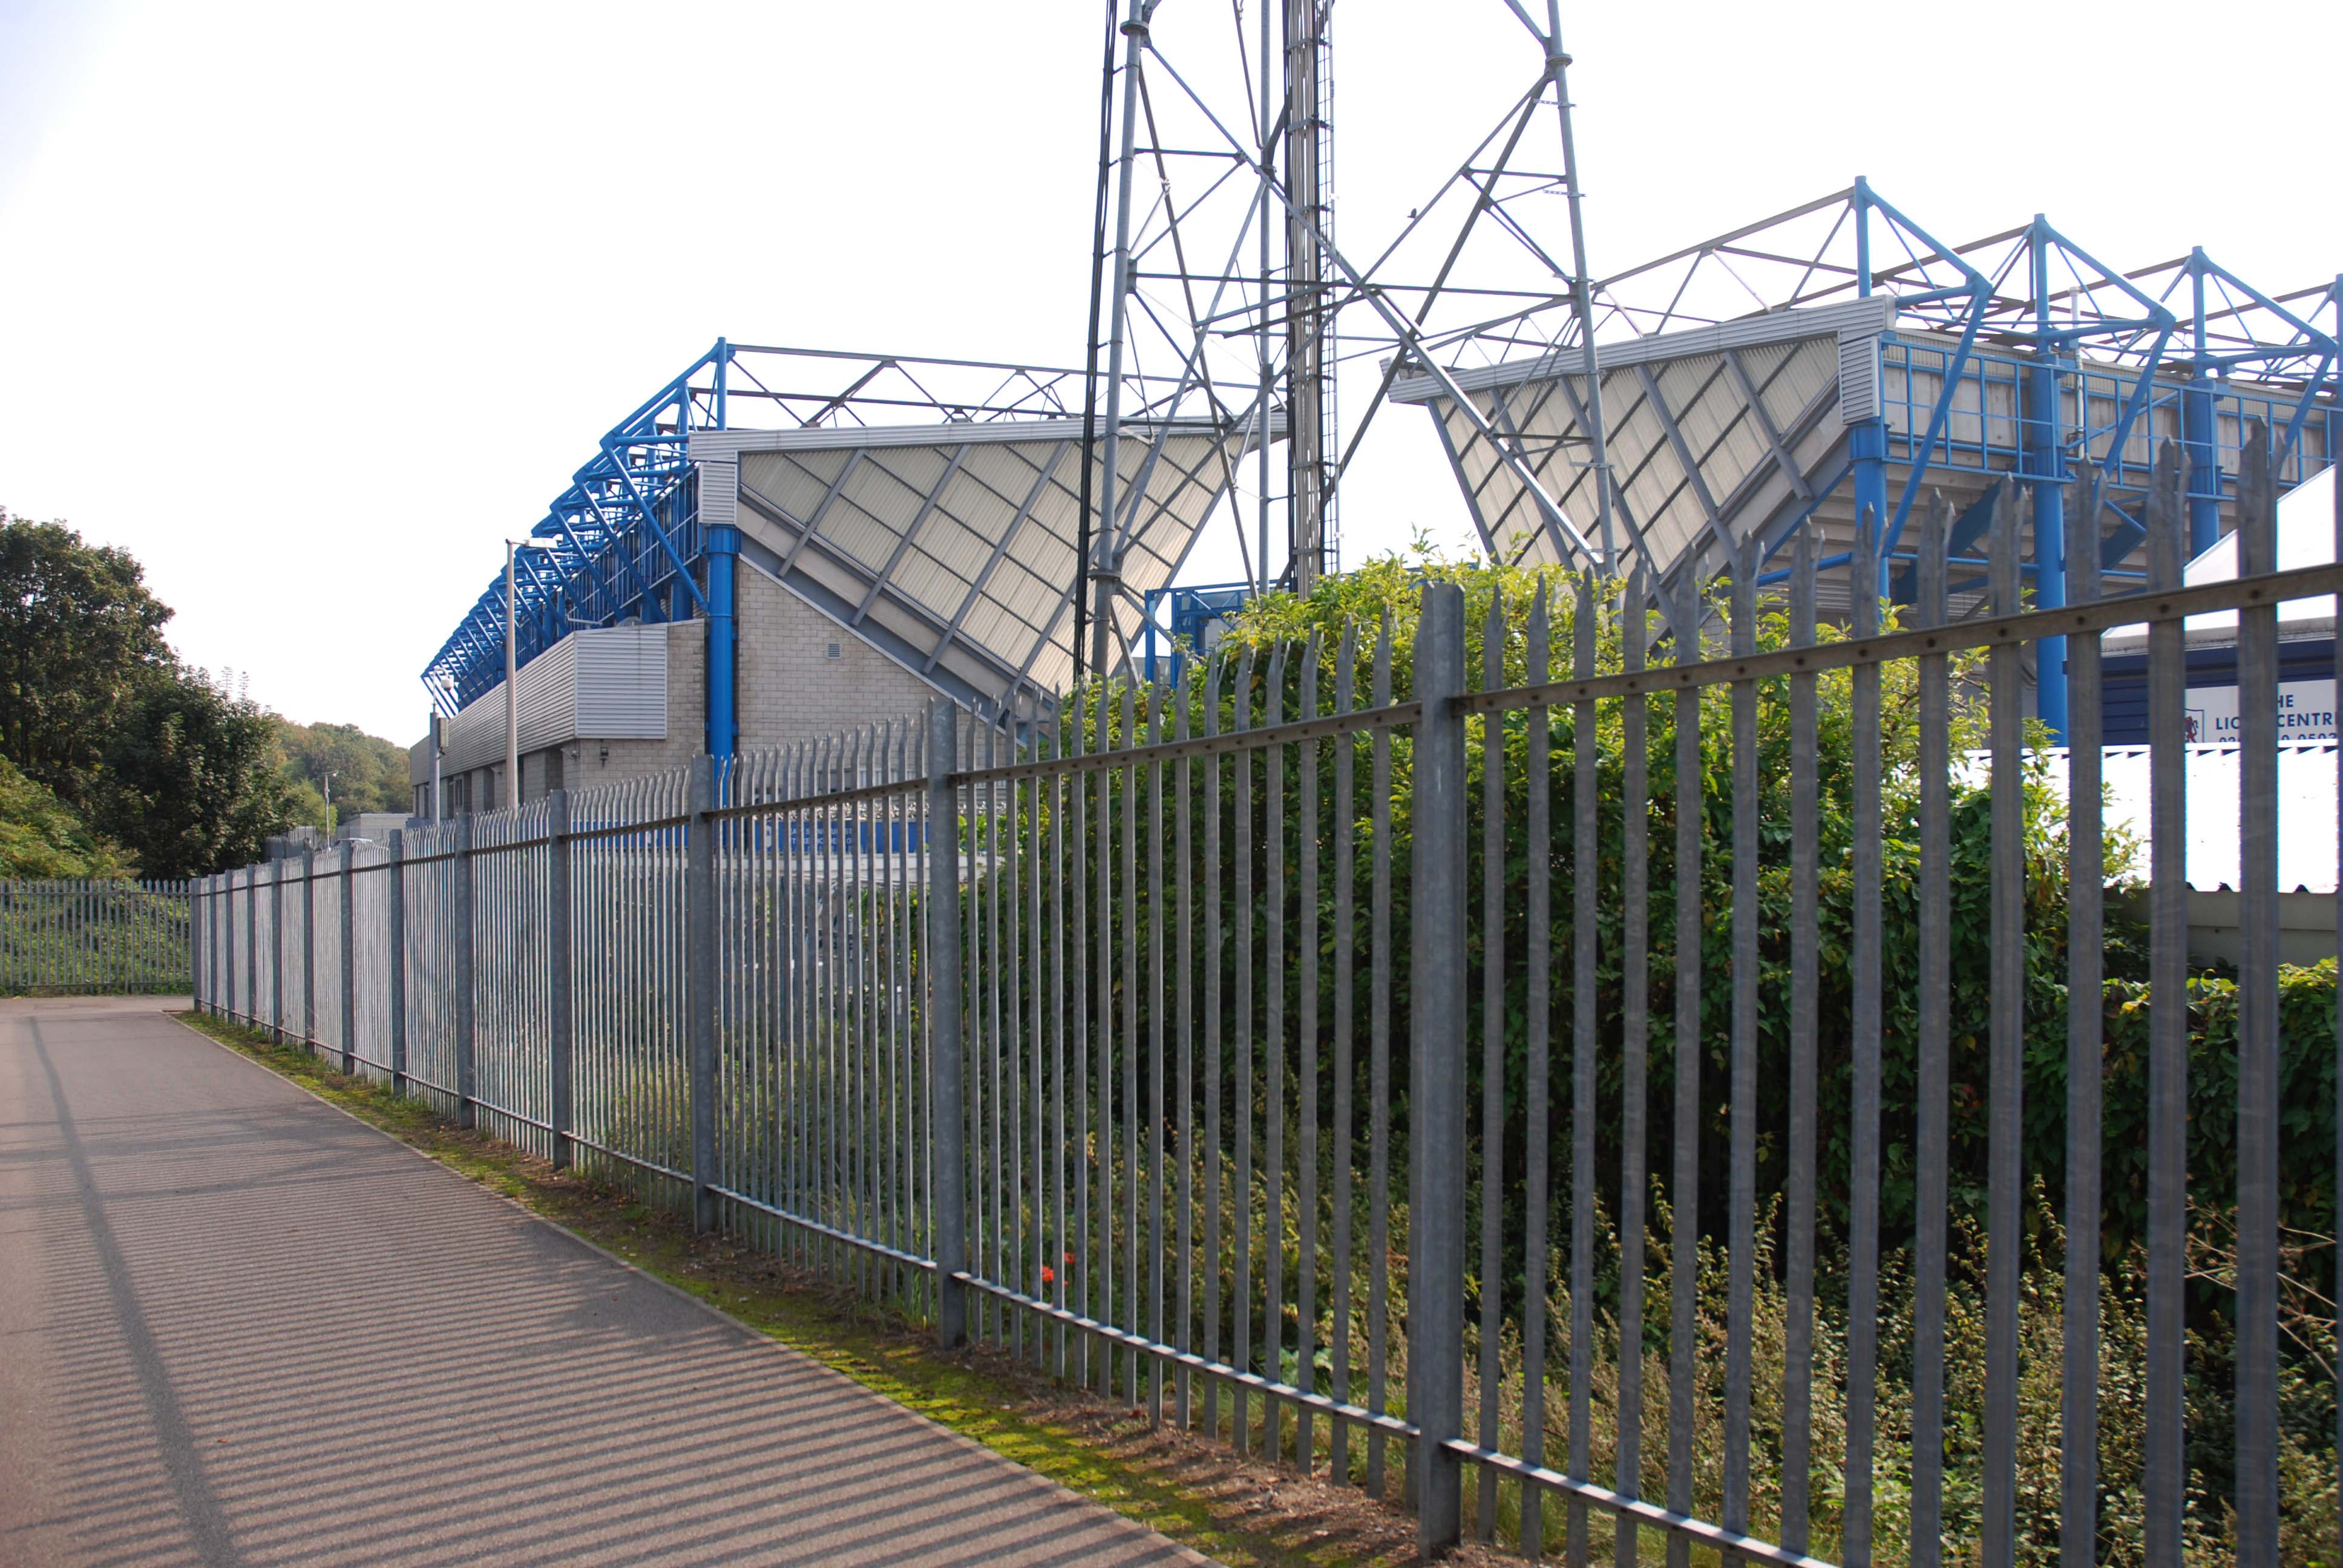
x,y
1615,1071
62,937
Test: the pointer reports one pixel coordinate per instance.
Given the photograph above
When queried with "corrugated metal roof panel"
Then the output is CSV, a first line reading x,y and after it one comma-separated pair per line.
x,y
918,470
1704,425
1019,588
1511,510
881,492
1740,450
1805,374
1006,472
1874,314
962,548
988,623
932,581
795,482
969,509
855,529
928,583
1497,509
1056,515
721,444
1762,362
1682,381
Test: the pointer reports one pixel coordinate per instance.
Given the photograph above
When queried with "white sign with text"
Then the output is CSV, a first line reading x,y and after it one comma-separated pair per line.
x,y
2306,711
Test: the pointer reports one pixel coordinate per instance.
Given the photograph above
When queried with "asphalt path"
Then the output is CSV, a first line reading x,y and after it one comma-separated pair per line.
x,y
239,1327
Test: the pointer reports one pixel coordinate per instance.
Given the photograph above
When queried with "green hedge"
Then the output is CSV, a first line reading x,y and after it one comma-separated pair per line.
x,y
1362,598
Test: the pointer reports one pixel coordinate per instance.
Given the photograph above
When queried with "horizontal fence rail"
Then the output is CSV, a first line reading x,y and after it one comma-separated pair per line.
x,y
1616,1067
67,938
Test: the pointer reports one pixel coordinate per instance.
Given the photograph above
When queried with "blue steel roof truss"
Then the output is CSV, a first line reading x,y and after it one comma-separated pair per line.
x,y
625,562
624,540
2123,350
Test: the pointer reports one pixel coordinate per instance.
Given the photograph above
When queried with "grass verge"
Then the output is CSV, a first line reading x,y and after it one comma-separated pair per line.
x,y
1187,1487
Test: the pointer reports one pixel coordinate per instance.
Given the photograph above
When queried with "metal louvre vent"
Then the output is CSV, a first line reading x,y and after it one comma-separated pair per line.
x,y
1858,378
719,495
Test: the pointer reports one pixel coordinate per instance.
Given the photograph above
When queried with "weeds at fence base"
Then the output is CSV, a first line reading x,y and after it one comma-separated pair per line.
x,y
1183,1485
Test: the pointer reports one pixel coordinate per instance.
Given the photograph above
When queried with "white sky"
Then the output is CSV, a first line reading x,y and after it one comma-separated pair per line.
x,y
311,306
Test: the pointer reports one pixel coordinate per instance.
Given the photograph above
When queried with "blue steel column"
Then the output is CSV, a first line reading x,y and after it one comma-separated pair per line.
x,y
723,552
1867,441
2045,440
2196,428
2334,448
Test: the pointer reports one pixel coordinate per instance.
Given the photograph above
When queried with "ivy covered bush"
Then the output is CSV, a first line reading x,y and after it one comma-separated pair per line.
x,y
1289,635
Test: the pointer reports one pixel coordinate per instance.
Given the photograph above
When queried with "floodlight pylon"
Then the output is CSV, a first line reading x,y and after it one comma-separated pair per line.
x,y
1216,268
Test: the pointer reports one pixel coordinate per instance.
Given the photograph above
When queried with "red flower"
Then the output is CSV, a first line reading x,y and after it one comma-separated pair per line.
x,y
1048,1275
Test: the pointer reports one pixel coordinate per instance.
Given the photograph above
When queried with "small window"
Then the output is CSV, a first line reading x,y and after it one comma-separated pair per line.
x,y
833,650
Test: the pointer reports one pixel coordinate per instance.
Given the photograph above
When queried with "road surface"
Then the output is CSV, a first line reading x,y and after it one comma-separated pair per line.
x,y
238,1327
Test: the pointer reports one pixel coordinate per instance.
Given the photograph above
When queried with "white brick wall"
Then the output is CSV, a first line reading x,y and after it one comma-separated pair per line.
x,y
791,690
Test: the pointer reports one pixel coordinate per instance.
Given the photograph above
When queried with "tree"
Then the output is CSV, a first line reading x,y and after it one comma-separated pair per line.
x,y
80,637
41,837
369,774
194,786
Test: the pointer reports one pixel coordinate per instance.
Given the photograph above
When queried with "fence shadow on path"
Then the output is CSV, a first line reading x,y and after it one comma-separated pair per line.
x,y
263,1334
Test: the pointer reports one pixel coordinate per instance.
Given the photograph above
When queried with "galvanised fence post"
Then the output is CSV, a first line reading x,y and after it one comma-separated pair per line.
x,y
947,1116
213,931
1436,1052
699,986
349,960
557,941
251,998
460,921
2259,1214
195,954
276,950
309,949
398,961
